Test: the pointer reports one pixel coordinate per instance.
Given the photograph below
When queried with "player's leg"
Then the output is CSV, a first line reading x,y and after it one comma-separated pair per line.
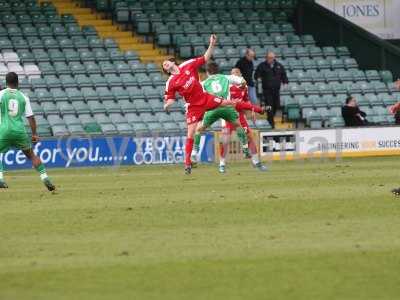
x,y
210,117
39,166
232,117
191,129
3,184
224,146
3,149
252,145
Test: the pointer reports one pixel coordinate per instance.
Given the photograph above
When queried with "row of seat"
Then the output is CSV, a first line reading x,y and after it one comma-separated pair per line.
x,y
35,17
319,119
282,52
117,123
327,75
336,88
95,106
102,92
186,5
227,29
54,30
91,69
110,80
29,6
292,64
92,42
329,101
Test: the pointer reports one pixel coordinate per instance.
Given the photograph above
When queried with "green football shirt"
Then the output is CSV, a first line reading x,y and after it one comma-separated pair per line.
x,y
219,84
14,107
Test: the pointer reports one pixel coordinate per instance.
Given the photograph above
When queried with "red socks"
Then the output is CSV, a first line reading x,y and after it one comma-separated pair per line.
x,y
188,151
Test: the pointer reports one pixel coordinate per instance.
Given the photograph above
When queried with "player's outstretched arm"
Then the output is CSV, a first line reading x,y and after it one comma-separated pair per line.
x,y
32,124
168,103
210,50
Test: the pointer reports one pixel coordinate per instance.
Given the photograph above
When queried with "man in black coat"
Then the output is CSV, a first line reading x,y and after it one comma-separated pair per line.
x,y
273,75
246,67
352,114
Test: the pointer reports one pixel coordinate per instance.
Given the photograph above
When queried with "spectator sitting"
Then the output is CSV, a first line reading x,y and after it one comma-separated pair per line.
x,y
352,114
395,109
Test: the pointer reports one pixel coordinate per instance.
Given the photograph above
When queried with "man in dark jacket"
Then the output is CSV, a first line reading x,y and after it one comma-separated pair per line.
x,y
352,114
272,74
246,67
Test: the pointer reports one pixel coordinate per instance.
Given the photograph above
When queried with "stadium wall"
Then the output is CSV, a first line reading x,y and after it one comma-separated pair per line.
x,y
329,29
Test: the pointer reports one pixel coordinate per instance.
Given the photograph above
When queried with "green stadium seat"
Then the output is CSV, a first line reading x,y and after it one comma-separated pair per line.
x,y
81,107
98,80
74,94
127,106
49,108
386,76
77,68
65,107
67,81
59,94
89,93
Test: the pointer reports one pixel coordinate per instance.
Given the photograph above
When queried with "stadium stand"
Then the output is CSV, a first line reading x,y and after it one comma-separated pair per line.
x,y
320,77
83,80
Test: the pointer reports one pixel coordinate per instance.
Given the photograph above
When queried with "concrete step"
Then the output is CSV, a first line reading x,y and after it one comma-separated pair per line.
x,y
115,34
95,22
75,11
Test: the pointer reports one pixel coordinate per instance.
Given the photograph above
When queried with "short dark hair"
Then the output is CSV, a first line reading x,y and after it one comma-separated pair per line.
x,y
212,68
12,79
162,68
348,99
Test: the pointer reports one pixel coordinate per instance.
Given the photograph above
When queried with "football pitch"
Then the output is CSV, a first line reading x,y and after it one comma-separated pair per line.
x,y
304,230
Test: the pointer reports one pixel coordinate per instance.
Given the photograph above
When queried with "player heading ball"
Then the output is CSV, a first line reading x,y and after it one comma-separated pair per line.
x,y
184,80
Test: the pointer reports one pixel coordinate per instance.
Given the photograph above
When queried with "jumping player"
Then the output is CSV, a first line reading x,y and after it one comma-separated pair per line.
x,y
14,105
184,79
240,94
231,87
218,85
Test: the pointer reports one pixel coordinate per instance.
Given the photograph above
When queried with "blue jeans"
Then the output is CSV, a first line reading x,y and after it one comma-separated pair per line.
x,y
253,94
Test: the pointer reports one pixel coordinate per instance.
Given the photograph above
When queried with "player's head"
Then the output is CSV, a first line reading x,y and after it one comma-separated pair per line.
x,y
12,80
168,65
250,54
351,101
236,72
270,57
212,68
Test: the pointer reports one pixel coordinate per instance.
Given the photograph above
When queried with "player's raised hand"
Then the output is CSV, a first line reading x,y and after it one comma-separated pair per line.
x,y
213,40
35,138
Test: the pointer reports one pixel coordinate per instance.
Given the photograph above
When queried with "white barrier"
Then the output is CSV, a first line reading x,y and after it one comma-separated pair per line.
x,y
367,141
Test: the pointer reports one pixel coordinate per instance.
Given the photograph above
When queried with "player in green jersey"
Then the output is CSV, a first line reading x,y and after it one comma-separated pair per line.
x,y
14,106
218,85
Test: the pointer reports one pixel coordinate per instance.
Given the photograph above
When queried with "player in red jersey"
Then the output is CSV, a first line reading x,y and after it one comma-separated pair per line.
x,y
184,79
240,95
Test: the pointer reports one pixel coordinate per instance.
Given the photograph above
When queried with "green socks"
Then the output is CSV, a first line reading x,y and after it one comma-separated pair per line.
x,y
42,171
197,138
1,171
242,137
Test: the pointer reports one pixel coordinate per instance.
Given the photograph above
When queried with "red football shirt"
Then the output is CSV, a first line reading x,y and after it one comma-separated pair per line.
x,y
187,83
238,92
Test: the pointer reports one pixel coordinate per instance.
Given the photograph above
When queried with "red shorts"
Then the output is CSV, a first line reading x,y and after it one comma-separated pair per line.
x,y
243,122
195,113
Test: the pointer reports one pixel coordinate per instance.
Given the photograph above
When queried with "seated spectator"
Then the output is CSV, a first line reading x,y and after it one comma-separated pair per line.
x,y
352,114
395,109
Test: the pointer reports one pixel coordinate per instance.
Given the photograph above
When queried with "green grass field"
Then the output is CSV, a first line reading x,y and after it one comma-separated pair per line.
x,y
304,230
